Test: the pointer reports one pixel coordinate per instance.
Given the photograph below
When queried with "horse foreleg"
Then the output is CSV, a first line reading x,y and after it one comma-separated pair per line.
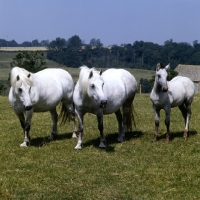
x,y
22,122
27,126
157,123
167,123
80,132
54,131
75,132
100,127
121,134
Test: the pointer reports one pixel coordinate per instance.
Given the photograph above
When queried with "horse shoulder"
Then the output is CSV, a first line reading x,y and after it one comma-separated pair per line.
x,y
77,95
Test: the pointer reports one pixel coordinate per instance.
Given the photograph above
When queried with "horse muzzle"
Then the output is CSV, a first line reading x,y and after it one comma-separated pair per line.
x,y
27,108
103,103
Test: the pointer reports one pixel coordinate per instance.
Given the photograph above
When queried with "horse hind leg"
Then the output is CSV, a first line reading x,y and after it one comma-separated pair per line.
x,y
188,116
68,113
120,127
186,113
54,117
128,116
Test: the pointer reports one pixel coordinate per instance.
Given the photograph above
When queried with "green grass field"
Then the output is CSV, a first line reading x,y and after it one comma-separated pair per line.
x,y
134,169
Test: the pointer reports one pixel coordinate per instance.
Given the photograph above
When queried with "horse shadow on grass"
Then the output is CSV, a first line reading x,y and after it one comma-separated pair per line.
x,y
111,138
41,141
174,135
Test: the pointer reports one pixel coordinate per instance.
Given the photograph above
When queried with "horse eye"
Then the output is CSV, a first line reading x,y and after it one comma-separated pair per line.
x,y
92,86
159,76
20,90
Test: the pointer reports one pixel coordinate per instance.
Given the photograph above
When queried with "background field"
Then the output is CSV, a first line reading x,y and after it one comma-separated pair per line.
x,y
7,57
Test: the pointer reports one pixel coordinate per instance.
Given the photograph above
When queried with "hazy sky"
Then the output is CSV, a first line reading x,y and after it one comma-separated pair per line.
x,y
111,21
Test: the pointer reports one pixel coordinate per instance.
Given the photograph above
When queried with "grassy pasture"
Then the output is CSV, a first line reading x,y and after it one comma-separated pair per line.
x,y
134,169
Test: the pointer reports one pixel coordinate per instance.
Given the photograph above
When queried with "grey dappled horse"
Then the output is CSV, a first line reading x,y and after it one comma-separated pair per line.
x,y
165,95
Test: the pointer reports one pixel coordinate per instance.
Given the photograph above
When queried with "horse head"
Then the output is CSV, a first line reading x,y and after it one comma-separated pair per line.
x,y
161,76
95,88
21,83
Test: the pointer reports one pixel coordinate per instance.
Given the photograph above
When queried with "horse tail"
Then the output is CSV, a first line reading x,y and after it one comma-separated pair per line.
x,y
64,114
130,118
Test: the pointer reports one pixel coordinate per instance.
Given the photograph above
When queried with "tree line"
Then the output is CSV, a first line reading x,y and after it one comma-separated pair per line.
x,y
140,55
13,43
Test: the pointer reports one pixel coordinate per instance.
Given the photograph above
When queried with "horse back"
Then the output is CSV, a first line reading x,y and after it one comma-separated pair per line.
x,y
120,78
51,86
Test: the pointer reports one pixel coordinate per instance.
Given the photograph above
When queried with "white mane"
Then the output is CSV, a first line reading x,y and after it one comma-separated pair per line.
x,y
22,74
84,77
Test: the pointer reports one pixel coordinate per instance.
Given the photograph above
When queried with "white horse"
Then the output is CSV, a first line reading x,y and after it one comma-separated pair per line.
x,y
105,93
40,92
165,95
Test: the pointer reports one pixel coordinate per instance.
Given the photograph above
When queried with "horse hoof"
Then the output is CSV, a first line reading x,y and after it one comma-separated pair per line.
x,y
24,144
120,139
52,137
102,145
74,135
78,147
185,138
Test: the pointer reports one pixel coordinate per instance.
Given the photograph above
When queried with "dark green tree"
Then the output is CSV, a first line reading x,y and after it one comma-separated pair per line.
x,y
57,45
146,87
2,88
26,44
95,43
35,43
171,74
44,43
74,41
32,61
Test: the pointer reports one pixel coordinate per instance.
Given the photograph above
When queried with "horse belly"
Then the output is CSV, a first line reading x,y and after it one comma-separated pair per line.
x,y
111,108
114,101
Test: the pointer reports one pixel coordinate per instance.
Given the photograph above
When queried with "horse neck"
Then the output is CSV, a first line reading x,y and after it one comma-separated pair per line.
x,y
82,85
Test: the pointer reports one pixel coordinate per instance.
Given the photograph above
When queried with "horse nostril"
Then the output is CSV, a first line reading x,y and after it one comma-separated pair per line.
x,y
165,89
28,108
103,103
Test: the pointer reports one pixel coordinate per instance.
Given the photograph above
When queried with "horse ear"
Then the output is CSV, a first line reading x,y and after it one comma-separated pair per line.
x,y
29,75
167,67
101,72
158,67
18,78
90,75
